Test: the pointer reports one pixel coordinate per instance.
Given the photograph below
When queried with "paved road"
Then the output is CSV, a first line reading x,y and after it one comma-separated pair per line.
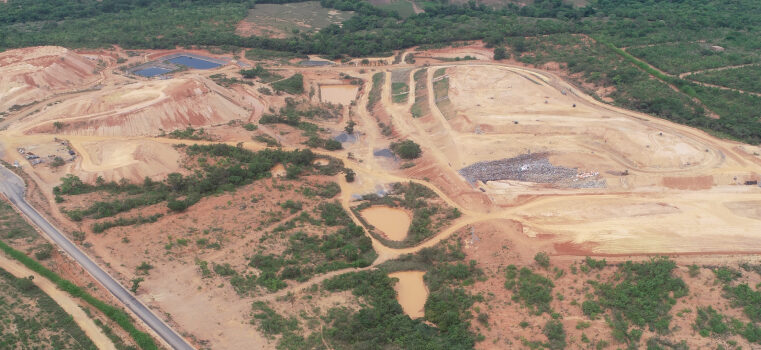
x,y
13,188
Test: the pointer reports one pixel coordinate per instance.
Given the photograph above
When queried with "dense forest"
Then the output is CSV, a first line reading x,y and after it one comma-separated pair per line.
x,y
675,37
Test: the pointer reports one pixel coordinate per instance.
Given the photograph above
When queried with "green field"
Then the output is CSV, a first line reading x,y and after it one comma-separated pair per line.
x,y
30,319
744,78
288,19
403,7
399,92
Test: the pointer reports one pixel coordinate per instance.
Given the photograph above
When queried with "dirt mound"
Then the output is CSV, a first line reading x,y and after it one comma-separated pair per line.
x,y
33,74
143,108
133,160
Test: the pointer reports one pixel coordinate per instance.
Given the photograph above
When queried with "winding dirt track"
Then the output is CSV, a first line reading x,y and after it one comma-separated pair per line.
x,y
66,302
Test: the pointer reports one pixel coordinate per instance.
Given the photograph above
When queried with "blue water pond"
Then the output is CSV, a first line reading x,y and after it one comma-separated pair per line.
x,y
152,71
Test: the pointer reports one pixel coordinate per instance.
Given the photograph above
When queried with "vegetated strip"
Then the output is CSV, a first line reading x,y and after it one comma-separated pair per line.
x,y
375,92
117,315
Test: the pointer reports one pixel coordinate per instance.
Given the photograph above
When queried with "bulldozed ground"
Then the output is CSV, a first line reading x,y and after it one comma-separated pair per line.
x,y
516,161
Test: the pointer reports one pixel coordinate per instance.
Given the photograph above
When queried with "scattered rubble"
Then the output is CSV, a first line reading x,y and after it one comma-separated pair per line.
x,y
531,168
525,167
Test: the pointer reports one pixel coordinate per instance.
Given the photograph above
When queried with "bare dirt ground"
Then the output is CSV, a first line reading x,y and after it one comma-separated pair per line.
x,y
661,188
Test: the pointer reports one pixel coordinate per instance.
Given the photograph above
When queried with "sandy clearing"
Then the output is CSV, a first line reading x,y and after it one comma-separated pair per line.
x,y
133,160
342,94
411,292
392,222
66,302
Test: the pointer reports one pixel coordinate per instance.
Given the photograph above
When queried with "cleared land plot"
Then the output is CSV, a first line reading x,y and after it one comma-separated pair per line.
x,y
744,78
690,57
32,320
441,93
420,108
282,20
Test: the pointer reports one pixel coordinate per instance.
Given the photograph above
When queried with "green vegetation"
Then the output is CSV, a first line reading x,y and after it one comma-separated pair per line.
x,y
376,90
99,227
290,18
310,244
689,57
222,80
675,36
13,226
542,259
642,295
403,7
399,92
293,85
555,333
420,107
533,290
240,167
190,133
406,149
427,217
380,323
293,113
117,315
744,78
264,75
710,323
31,319
441,93
500,53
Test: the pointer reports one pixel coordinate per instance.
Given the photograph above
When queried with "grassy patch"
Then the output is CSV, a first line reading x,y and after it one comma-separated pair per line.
x,y
12,225
441,93
375,92
403,7
420,107
293,85
399,92
288,19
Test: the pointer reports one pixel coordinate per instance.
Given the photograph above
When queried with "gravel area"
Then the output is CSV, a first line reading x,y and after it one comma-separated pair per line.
x,y
525,167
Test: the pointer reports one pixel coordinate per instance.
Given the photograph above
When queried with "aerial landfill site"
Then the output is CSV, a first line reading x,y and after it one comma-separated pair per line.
x,y
405,202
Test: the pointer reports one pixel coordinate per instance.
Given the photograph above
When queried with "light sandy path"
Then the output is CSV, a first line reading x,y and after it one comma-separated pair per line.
x,y
63,299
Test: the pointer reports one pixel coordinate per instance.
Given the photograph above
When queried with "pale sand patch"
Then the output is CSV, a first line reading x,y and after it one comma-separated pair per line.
x,y
411,292
338,93
393,222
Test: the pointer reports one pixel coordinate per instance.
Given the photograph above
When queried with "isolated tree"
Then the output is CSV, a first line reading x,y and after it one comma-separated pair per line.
x,y
542,259
406,149
500,53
